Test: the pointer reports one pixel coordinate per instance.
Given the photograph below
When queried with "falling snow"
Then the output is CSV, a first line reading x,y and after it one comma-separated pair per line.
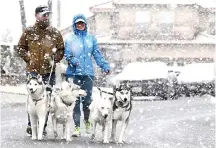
x,y
163,49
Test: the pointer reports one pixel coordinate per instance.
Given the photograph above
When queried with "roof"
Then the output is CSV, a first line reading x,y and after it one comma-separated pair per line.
x,y
207,4
200,39
107,6
154,1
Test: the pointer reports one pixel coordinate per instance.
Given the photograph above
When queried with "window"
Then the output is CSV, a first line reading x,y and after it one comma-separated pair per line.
x,y
165,21
143,21
165,17
143,17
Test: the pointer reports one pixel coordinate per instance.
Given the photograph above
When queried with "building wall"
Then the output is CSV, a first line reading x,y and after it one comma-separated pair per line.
x,y
159,22
102,24
177,23
151,51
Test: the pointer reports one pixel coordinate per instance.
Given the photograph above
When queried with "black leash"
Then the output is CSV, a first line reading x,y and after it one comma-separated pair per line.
x,y
93,82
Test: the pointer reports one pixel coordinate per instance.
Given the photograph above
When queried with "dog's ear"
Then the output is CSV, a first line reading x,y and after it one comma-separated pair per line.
x,y
39,78
110,98
128,85
29,77
70,80
117,86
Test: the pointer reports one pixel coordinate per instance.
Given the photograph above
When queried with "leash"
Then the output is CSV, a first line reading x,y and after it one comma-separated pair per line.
x,y
98,87
53,63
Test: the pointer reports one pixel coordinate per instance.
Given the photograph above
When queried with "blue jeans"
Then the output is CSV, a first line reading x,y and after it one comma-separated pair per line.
x,y
86,83
45,78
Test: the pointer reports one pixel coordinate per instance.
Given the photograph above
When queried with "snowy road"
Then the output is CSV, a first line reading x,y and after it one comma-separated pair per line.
x,y
183,123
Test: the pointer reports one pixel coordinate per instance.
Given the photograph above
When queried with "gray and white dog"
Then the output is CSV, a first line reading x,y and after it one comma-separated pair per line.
x,y
62,106
122,106
37,105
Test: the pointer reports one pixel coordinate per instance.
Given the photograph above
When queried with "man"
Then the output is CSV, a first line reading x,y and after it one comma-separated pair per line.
x,y
37,47
80,47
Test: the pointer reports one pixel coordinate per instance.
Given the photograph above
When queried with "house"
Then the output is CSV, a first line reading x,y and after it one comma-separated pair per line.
x,y
179,31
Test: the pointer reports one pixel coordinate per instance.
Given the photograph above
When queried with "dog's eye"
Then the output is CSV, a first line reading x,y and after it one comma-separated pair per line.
x,y
121,92
35,84
102,107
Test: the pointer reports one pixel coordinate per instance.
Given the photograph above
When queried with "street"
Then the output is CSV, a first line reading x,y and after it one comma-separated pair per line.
x,y
182,123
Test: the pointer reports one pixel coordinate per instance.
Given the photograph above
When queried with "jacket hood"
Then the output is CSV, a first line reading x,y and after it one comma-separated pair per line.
x,y
76,31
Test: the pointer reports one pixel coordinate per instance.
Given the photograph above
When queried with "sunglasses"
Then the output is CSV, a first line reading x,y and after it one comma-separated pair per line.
x,y
44,15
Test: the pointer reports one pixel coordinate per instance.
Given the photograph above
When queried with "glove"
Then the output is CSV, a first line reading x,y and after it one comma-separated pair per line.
x,y
74,62
107,71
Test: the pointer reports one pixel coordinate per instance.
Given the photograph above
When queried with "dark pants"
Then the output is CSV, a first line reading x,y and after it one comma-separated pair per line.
x,y
86,83
45,78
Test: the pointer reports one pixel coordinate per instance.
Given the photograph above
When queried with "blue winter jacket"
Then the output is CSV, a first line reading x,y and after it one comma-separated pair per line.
x,y
80,47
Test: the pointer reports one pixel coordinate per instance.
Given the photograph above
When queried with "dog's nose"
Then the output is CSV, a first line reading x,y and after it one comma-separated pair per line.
x,y
105,116
125,99
31,89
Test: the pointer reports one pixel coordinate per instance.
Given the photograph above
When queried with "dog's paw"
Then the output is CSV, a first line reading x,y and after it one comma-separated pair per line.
x,y
92,137
120,142
112,140
55,134
34,138
105,141
40,138
68,139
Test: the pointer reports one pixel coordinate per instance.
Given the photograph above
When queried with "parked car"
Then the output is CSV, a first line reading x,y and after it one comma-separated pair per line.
x,y
147,79
197,79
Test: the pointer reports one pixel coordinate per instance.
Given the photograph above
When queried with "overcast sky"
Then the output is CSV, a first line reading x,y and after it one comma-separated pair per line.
x,y
10,12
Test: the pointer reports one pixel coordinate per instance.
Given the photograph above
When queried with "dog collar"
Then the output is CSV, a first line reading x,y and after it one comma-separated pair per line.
x,y
127,107
67,104
36,101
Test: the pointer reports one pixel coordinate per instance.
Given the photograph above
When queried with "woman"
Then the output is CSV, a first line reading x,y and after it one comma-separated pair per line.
x,y
80,47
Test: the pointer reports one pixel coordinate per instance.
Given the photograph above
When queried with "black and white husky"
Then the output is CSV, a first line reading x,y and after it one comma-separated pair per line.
x,y
122,106
37,105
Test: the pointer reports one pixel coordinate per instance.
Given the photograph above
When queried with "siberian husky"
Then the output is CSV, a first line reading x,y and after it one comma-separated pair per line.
x,y
101,113
62,105
37,105
122,106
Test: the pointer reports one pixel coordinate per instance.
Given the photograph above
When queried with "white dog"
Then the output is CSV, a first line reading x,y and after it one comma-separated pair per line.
x,y
37,105
100,113
62,105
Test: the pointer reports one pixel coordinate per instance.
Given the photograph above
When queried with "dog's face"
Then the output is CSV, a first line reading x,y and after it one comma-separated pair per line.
x,y
122,95
70,91
105,106
35,85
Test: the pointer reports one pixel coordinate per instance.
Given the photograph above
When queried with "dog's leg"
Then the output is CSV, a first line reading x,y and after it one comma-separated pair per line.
x,y
34,126
54,122
105,132
67,131
113,133
124,125
64,132
42,120
94,123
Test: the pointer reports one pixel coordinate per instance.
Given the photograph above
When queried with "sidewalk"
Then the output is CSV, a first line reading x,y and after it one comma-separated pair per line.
x,y
18,94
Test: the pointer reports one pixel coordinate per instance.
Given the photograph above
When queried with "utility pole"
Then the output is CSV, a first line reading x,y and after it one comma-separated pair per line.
x,y
22,13
58,14
50,8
